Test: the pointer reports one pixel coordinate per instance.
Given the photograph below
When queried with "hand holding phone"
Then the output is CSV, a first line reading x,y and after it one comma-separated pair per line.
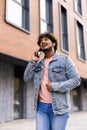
x,y
38,53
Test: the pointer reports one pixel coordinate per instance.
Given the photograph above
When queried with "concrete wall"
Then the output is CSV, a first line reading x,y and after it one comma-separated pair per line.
x,y
84,98
6,91
29,101
7,94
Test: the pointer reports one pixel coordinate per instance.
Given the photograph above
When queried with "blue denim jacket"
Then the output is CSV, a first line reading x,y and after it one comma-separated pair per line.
x,y
63,76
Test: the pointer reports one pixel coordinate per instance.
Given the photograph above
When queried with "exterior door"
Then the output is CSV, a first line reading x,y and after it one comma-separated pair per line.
x,y
76,99
18,93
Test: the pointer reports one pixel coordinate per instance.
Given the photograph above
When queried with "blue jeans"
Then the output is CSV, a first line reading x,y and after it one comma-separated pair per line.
x,y
46,120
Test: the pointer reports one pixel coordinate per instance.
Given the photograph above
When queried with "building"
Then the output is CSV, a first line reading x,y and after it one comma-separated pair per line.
x,y
21,21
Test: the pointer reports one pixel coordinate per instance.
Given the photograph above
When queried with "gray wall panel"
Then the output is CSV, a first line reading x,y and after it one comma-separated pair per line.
x,y
6,91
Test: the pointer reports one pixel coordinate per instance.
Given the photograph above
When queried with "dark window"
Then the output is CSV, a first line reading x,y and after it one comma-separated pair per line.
x,y
80,41
46,15
78,6
17,13
18,92
64,34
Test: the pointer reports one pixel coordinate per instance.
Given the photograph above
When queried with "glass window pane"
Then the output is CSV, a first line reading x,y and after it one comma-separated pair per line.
x,y
64,29
78,6
46,15
49,13
43,27
64,41
25,19
18,14
16,99
43,9
14,13
18,1
50,28
82,52
80,41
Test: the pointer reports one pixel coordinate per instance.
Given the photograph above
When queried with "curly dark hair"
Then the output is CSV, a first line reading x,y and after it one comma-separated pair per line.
x,y
50,36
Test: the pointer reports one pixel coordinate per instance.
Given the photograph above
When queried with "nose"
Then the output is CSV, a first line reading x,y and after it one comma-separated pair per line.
x,y
43,42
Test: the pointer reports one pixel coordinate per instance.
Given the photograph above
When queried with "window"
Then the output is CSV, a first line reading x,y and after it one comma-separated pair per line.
x,y
64,32
17,13
78,6
18,92
46,16
65,0
80,41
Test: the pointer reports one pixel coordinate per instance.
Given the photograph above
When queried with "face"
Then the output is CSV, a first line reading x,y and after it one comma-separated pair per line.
x,y
46,43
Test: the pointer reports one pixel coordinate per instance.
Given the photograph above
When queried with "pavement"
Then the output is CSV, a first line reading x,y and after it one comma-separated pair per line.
x,y
77,121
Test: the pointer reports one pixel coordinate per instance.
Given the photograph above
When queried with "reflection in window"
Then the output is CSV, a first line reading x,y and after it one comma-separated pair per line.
x,y
80,41
43,26
17,13
46,16
78,6
16,99
75,97
43,9
64,32
18,1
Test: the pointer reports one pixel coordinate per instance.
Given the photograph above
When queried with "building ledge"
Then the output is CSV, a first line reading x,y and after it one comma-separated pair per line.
x,y
12,59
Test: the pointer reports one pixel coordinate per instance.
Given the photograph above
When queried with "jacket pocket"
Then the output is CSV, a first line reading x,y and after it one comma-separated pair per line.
x,y
37,69
37,72
58,73
61,100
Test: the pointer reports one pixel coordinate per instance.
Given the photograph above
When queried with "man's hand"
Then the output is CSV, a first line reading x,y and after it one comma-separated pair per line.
x,y
34,56
48,85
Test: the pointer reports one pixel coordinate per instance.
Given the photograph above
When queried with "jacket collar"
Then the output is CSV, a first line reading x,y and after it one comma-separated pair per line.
x,y
55,57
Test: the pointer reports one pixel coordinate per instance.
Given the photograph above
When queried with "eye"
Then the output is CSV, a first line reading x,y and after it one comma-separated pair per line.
x,y
46,39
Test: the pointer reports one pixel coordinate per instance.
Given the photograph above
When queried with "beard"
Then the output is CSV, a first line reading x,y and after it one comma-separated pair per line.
x,y
47,49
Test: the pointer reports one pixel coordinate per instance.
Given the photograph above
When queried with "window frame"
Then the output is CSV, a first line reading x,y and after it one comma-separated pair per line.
x,y
14,24
65,0
77,41
45,20
77,10
62,49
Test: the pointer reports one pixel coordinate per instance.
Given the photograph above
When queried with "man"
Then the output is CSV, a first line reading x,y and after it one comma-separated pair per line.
x,y
54,76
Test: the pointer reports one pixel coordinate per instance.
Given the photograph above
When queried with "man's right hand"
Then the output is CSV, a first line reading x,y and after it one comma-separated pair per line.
x,y
35,58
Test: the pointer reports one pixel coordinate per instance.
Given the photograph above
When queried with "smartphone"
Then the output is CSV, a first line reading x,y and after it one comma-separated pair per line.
x,y
38,53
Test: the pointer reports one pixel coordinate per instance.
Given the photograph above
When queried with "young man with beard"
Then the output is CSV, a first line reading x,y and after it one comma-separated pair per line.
x,y
54,77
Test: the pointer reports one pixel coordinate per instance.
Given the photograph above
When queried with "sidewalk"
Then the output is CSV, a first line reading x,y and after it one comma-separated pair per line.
x,y
77,121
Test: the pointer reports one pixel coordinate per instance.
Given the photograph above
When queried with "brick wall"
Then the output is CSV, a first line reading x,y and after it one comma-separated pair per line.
x,y
19,44
14,41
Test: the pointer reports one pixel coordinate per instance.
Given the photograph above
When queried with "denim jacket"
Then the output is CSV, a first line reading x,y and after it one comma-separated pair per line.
x,y
63,76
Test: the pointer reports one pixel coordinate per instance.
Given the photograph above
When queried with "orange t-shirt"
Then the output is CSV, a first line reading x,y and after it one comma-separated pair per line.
x,y
44,94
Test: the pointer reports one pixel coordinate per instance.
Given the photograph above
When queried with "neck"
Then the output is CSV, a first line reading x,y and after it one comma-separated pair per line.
x,y
49,53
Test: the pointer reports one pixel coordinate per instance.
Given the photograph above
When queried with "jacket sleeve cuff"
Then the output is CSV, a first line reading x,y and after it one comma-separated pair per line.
x,y
54,86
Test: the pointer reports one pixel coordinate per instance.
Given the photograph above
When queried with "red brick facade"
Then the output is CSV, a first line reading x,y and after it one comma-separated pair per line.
x,y
19,44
